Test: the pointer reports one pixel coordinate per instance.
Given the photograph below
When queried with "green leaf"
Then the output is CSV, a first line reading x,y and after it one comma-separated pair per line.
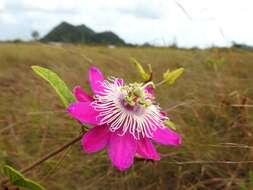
x,y
17,179
146,76
251,178
13,174
33,185
58,84
242,186
171,76
168,123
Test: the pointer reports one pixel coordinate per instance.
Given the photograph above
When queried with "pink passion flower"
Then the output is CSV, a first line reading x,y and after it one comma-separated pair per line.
x,y
125,117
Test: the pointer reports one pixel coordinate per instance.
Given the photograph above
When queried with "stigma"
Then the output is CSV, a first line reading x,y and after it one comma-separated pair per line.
x,y
128,108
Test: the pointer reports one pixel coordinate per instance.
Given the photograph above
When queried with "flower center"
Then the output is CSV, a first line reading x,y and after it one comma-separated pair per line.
x,y
128,108
135,96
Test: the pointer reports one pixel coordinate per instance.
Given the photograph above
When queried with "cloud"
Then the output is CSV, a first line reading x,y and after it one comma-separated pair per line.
x,y
48,5
196,22
1,5
7,18
142,9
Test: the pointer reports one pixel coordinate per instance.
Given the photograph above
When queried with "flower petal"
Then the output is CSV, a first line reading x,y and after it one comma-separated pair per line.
x,y
81,95
96,78
163,114
146,149
95,139
166,136
119,82
149,90
122,150
83,112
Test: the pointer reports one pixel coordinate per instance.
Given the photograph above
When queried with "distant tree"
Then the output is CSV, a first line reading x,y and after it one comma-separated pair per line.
x,y
17,40
174,43
146,44
35,35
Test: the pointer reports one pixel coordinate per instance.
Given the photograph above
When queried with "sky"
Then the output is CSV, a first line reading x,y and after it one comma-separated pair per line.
x,y
189,23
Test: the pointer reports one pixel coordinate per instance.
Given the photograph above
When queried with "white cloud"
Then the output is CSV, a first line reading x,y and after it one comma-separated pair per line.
x,y
7,18
151,10
1,5
49,5
190,22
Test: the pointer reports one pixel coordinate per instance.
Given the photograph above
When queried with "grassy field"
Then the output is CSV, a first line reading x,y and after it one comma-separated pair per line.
x,y
211,105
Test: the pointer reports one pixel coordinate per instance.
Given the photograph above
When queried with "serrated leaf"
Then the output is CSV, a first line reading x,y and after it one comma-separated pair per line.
x,y
17,179
171,76
58,84
146,76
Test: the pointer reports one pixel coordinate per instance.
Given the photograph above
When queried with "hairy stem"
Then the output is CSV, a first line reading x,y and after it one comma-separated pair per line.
x,y
46,157
160,83
51,154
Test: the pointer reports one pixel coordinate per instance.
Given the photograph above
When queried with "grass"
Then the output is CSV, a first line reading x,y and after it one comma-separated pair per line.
x,y
211,105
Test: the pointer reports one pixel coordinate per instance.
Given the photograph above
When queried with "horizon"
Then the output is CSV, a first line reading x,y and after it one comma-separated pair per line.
x,y
194,24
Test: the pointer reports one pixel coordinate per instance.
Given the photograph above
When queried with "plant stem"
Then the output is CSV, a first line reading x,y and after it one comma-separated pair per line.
x,y
47,156
51,154
160,83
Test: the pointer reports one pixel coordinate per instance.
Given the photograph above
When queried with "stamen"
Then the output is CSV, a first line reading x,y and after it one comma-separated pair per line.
x,y
137,117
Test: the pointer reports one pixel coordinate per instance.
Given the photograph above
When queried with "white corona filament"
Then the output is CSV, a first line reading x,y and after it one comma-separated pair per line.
x,y
140,121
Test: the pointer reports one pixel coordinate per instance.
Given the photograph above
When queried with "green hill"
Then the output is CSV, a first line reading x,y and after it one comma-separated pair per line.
x,y
107,38
69,33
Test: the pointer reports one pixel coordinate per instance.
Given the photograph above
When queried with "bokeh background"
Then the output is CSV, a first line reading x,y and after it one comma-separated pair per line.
x,y
211,103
